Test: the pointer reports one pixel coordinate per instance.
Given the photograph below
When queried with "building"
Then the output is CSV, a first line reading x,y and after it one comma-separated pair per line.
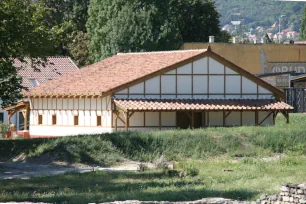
x,y
152,91
33,76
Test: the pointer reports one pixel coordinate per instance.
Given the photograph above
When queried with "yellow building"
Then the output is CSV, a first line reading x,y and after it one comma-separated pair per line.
x,y
256,59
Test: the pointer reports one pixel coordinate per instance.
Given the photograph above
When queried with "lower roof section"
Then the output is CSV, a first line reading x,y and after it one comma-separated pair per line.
x,y
200,104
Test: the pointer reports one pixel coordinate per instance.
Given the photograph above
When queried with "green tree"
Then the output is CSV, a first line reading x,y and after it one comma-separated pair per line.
x,y
140,25
78,48
23,33
223,36
69,17
303,26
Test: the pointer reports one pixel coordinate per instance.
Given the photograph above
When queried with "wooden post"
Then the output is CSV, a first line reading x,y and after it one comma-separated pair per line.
x,y
25,122
126,120
204,119
286,114
224,117
256,118
287,117
159,124
116,121
192,119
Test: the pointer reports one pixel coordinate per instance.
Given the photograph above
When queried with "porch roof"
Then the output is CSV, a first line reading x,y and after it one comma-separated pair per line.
x,y
19,106
200,104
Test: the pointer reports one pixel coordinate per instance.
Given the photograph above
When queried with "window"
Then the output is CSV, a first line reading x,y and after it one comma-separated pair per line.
x,y
99,121
34,82
53,119
40,120
76,120
1,117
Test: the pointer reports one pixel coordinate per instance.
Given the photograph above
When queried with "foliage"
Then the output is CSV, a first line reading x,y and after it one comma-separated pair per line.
x,y
78,47
70,17
303,26
4,128
173,144
223,36
23,33
139,25
259,13
267,39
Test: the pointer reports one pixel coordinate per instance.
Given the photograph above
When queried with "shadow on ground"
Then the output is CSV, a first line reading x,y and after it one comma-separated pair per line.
x,y
111,186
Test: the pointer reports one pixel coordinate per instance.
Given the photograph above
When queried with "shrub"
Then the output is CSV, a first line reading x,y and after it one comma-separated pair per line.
x,y
4,128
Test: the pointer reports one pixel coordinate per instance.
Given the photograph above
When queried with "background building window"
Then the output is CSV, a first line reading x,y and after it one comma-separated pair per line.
x,y
53,119
99,120
40,120
76,120
34,82
1,117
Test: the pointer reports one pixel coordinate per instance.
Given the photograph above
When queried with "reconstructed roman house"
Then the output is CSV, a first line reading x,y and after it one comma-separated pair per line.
x,y
154,90
33,76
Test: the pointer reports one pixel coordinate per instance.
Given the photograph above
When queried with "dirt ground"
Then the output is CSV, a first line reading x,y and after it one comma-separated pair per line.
x,y
26,170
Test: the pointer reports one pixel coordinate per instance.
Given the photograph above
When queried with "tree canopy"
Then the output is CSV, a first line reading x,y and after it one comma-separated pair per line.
x,y
139,25
23,33
69,17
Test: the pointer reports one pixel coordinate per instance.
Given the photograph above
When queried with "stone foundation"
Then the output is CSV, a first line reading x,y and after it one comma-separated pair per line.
x,y
290,194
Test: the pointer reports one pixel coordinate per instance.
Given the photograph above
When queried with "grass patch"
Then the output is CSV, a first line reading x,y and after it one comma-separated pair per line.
x,y
246,179
220,162
107,149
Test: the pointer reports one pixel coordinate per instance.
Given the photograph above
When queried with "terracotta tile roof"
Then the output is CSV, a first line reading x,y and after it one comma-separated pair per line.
x,y
200,104
113,72
55,67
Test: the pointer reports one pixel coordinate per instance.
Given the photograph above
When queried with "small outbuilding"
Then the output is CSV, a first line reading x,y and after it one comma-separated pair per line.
x,y
154,90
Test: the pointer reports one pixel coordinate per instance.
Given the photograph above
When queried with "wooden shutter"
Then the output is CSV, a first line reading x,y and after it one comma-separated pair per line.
x,y
40,119
53,119
99,121
76,120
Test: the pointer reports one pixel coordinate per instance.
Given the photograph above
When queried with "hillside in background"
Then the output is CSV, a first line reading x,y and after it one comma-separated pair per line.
x,y
264,13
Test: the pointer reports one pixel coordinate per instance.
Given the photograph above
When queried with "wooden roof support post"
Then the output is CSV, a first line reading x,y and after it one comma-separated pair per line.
x,y
25,116
275,113
116,120
256,118
286,115
192,119
204,119
126,120
160,122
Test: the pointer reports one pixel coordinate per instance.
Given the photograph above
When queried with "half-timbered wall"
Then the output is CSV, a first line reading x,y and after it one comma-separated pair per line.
x,y
204,78
65,110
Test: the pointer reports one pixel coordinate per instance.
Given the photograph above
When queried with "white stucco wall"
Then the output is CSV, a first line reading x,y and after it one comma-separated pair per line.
x,y
66,130
87,110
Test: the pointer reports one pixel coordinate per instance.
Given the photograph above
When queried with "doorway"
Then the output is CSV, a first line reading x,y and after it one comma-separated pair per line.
x,y
184,120
198,119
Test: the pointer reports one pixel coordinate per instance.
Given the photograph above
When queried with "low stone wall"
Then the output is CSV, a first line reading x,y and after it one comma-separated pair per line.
x,y
290,194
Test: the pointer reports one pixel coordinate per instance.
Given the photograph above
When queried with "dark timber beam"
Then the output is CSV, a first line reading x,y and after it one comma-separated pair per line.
x,y
263,120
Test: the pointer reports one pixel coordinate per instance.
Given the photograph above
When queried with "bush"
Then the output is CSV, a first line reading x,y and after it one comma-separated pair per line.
x,y
4,128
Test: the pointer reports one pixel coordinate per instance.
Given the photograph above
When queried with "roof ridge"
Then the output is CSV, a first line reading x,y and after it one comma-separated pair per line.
x,y
157,52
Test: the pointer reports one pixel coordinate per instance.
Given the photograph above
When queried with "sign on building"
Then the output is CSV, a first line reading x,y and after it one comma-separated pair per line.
x,y
275,67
